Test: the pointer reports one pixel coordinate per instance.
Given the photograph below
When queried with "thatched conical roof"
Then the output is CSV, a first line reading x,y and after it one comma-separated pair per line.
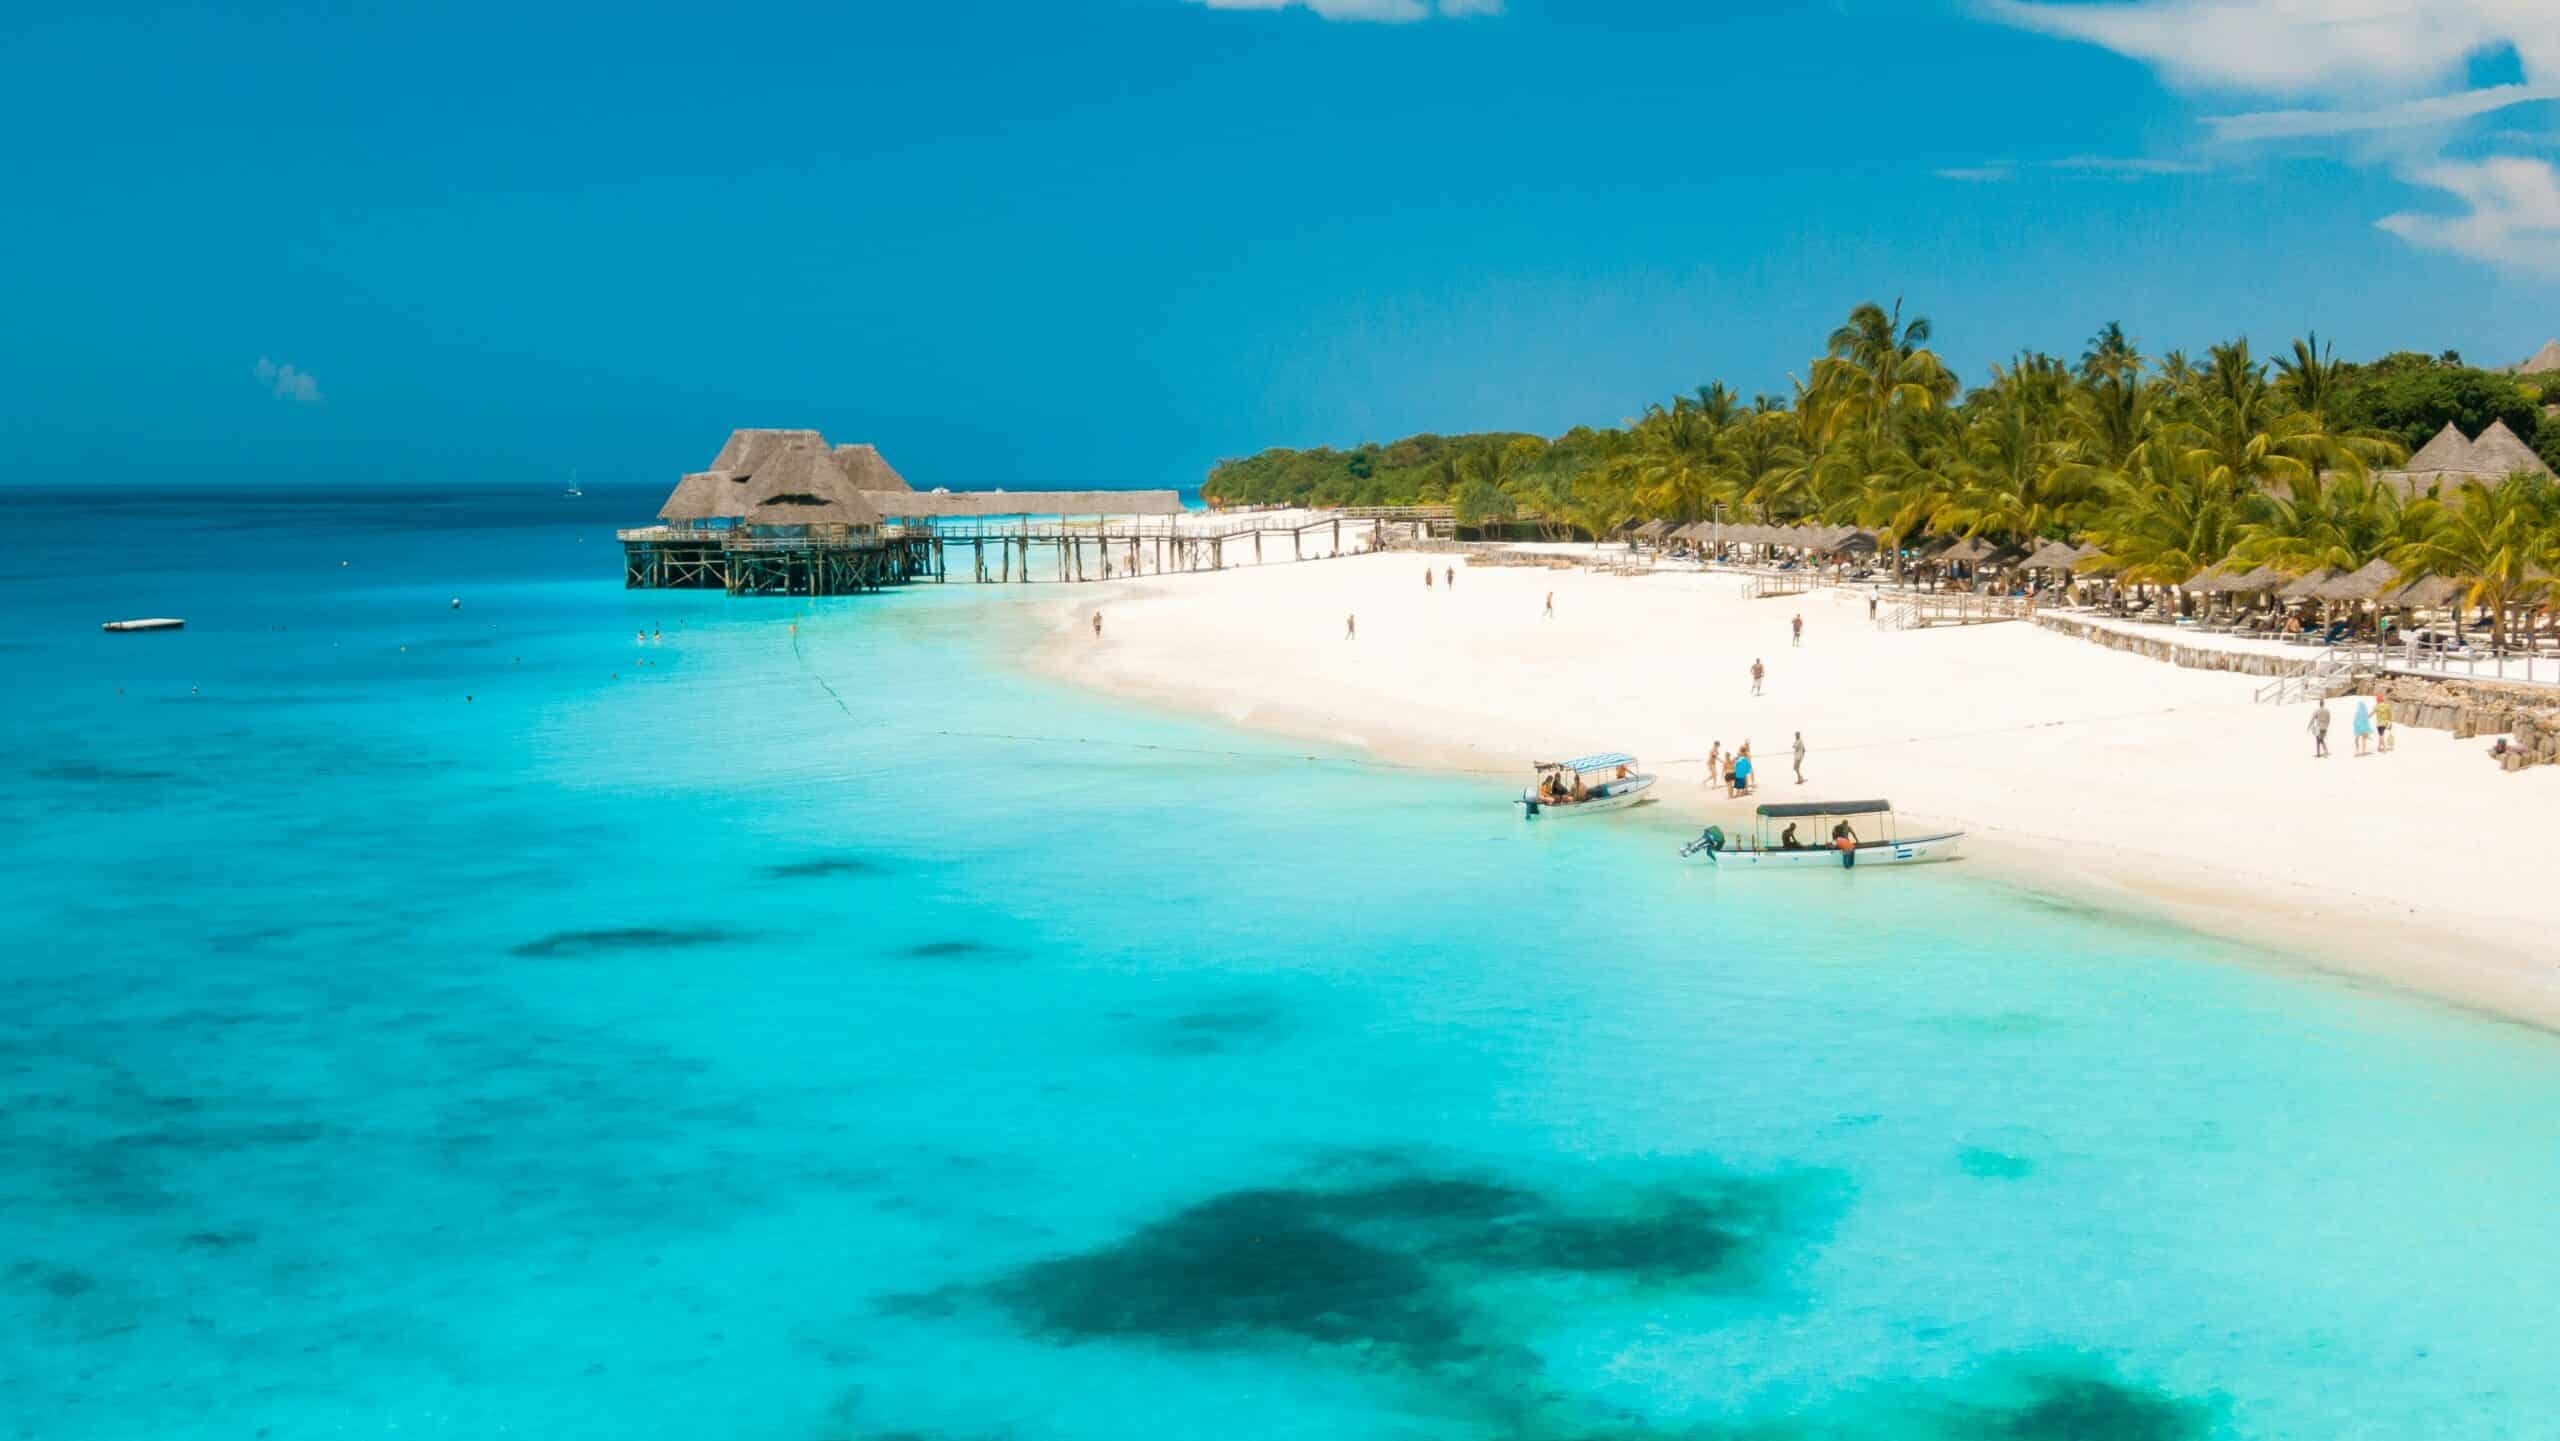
x,y
2052,555
2434,592
2307,587
2544,361
2448,451
2498,452
2366,582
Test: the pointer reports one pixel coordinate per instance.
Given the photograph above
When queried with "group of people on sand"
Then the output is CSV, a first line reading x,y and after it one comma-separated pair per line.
x,y
2372,727
1734,770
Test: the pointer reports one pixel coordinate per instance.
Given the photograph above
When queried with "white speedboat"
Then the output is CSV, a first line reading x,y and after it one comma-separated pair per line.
x,y
1586,785
1807,834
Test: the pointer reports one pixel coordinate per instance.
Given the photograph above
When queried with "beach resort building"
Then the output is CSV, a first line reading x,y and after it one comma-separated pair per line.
x,y
2444,463
781,512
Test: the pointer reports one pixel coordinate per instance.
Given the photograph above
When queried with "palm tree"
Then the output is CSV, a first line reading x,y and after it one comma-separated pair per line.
x,y
2342,519
2312,376
2501,540
1877,369
2171,512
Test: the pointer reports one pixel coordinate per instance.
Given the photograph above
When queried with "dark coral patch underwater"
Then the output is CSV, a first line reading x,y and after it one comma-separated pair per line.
x,y
561,944
818,868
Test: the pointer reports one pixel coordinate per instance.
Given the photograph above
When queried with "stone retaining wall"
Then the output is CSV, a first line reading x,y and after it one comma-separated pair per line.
x,y
2164,647
2469,713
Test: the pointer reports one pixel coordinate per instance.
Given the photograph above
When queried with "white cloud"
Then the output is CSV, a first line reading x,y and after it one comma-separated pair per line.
x,y
290,383
2431,112
2388,73
2117,167
2514,218
2305,47
1393,12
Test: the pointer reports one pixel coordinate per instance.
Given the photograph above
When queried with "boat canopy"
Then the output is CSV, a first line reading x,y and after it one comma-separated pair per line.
x,y
1603,762
1794,810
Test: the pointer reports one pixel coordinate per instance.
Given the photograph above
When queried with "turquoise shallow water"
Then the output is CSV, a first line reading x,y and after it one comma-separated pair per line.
x,y
683,1049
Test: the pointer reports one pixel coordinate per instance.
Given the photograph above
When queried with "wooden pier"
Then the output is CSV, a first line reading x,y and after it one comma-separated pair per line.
x,y
781,512
983,551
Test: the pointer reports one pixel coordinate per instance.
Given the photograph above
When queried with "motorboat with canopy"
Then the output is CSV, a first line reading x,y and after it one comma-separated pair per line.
x,y
1824,833
1586,784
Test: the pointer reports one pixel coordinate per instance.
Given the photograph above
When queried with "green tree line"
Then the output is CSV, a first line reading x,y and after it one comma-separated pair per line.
x,y
2168,464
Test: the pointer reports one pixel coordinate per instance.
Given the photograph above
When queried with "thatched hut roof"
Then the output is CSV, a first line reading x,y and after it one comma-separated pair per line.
x,y
2543,362
784,477
2366,582
747,449
2052,555
2433,592
801,485
2450,450
698,496
2216,580
865,469
2307,587
940,504
2500,453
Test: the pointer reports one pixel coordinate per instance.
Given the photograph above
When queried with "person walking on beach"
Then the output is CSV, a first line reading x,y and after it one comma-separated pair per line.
x,y
2382,722
2364,727
1759,673
1799,625
1799,757
1551,605
1351,626
2319,729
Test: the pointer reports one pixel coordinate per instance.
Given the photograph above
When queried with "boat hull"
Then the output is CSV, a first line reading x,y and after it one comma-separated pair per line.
x,y
1916,851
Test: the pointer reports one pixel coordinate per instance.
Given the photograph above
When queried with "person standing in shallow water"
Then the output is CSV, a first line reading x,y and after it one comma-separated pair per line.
x,y
2319,729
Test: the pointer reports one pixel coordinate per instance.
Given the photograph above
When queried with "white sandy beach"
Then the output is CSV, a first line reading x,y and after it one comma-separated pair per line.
x,y
2074,768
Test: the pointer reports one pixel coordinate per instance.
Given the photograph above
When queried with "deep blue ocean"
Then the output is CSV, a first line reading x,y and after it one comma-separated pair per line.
x,y
459,1023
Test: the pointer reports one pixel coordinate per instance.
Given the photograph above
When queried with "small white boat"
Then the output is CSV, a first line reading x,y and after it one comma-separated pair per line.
x,y
1568,788
1804,841
157,622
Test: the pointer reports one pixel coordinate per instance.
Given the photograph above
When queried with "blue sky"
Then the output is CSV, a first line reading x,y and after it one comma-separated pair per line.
x,y
1109,241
